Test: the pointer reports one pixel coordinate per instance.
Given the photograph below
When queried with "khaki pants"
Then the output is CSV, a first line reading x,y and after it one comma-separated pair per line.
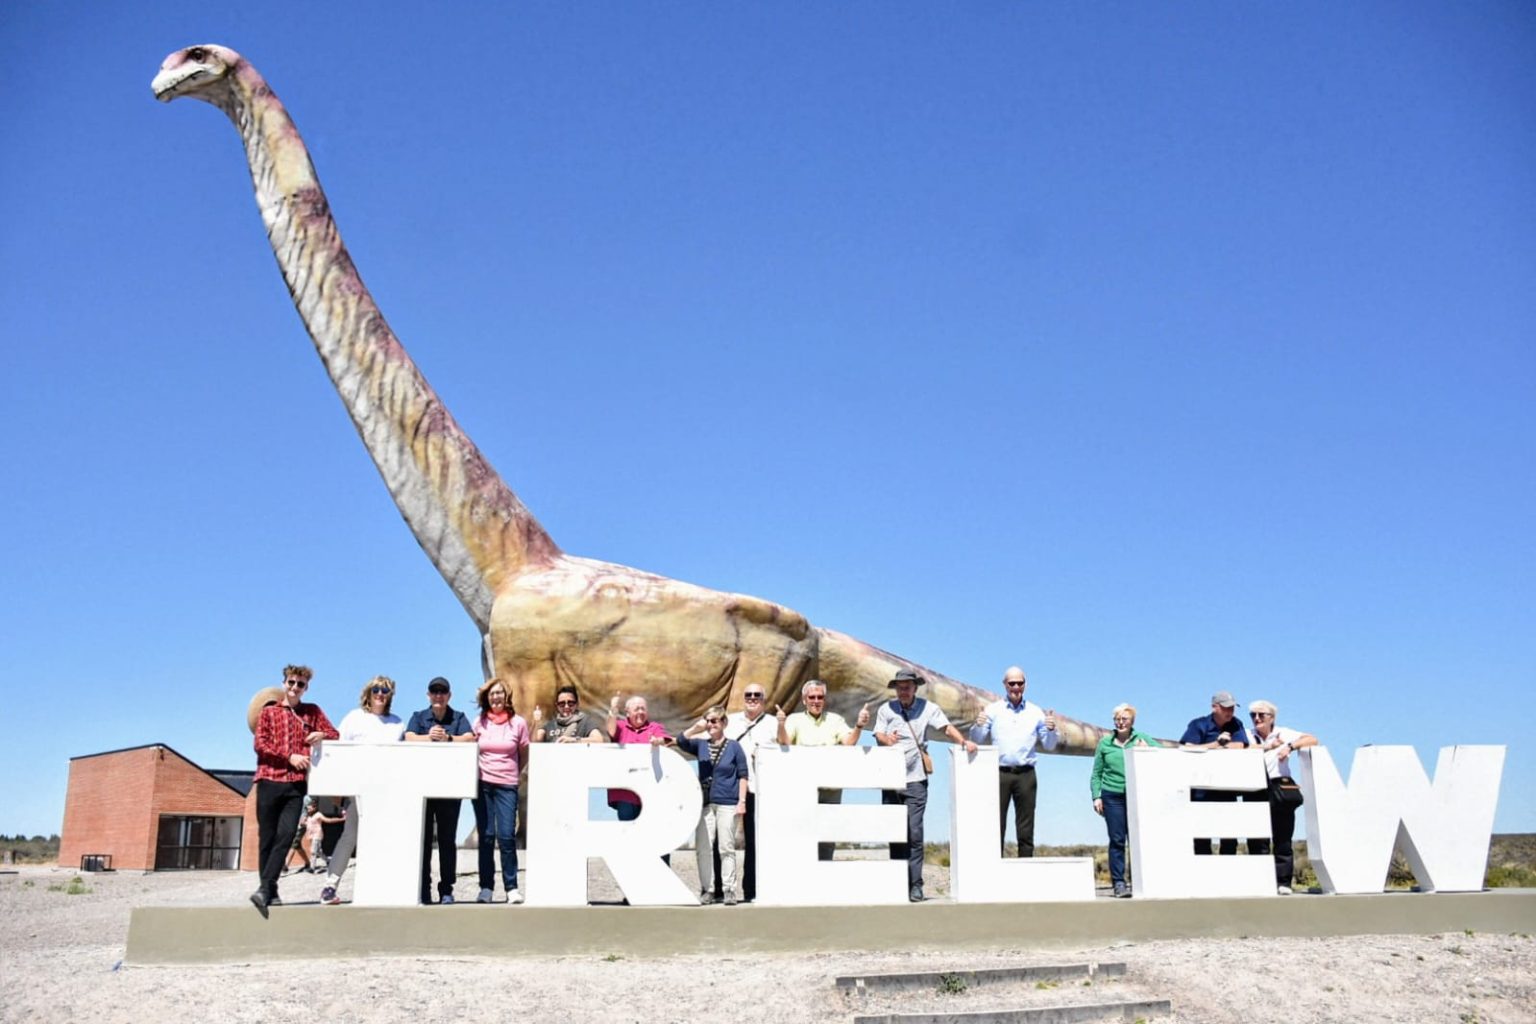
x,y
716,821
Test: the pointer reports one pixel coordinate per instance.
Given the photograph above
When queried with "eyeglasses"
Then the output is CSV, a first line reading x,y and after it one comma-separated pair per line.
x,y
1256,715
567,703
301,684
713,721
376,690
815,696
755,696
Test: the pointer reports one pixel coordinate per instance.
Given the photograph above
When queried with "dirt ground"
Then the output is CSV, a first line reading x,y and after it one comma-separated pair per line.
x,y
61,955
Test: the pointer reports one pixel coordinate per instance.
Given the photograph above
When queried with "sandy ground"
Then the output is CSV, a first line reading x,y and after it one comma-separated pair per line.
x,y
61,960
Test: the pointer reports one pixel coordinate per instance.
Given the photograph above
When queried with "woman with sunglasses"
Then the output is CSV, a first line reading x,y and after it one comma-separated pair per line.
x,y
1106,784
503,737
1278,744
286,730
370,722
570,724
723,776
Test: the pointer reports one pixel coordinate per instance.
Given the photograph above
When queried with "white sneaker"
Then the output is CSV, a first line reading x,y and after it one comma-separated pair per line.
x,y
1284,890
514,897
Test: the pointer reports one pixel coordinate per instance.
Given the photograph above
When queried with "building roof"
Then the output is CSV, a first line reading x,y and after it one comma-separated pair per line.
x,y
239,781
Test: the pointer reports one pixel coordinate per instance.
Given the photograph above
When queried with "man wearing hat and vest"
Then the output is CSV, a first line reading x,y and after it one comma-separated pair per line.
x,y
904,723
1219,730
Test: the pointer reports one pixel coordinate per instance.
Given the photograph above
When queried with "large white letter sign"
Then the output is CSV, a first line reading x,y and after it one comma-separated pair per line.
x,y
561,837
977,871
790,823
1443,829
1165,822
392,781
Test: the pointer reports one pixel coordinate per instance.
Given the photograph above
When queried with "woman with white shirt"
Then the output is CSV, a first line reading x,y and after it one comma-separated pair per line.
x,y
1278,744
369,722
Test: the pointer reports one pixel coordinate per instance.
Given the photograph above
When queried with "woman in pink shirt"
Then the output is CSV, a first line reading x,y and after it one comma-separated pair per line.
x,y
503,738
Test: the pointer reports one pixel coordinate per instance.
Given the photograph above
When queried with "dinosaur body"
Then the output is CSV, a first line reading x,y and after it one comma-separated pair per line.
x,y
547,618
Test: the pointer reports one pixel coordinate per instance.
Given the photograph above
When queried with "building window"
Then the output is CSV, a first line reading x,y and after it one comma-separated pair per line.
x,y
198,842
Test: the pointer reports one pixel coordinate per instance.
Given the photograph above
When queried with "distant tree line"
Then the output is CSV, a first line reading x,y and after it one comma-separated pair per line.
x,y
25,849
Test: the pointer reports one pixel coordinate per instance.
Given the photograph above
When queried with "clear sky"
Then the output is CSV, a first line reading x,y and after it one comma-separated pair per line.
x,y
1159,349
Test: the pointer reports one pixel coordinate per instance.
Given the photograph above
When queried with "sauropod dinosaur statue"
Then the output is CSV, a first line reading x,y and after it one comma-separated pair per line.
x,y
547,618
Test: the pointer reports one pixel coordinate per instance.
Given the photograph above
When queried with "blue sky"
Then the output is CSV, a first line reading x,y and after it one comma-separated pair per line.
x,y
1157,349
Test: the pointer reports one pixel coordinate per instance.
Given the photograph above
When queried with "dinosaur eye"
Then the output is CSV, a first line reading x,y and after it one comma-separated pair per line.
x,y
197,53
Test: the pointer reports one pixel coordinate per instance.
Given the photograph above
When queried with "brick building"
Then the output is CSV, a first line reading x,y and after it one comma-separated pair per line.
x,y
150,808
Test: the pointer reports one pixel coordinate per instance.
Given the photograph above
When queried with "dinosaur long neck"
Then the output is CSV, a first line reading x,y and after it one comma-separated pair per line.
x,y
467,520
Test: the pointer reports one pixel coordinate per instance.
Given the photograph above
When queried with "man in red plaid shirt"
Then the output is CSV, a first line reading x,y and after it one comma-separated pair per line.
x,y
285,732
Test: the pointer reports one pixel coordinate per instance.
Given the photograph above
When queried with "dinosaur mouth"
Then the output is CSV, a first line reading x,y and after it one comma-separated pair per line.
x,y
168,84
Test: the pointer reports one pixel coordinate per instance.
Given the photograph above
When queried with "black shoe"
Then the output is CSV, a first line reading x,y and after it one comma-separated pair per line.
x,y
259,900
273,901
916,895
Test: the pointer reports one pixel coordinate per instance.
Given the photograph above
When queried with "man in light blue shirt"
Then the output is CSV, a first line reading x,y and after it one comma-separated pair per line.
x,y
1019,730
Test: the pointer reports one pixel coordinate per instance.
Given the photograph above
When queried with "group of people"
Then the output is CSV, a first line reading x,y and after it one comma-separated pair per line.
x,y
287,729
1217,731
725,745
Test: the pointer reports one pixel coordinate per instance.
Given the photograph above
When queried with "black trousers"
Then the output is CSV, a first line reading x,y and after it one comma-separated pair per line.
x,y
1019,788
330,835
749,860
442,816
278,807
1282,826
915,797
1228,846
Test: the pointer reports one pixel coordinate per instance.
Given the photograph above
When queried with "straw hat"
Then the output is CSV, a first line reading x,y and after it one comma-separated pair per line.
x,y
265,696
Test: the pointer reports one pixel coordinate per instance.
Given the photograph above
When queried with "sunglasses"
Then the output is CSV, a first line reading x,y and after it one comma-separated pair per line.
x,y
755,696
301,684
376,690
1256,715
713,721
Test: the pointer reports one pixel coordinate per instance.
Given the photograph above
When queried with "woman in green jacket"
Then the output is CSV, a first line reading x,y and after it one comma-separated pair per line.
x,y
1107,784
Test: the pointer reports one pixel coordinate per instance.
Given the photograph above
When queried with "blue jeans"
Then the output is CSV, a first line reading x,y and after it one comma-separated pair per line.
x,y
496,821
1118,823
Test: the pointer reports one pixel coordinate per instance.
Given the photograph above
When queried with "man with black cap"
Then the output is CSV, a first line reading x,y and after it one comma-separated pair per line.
x,y
439,723
1219,730
904,722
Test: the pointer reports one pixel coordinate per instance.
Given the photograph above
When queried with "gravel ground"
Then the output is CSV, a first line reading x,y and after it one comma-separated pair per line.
x,y
61,960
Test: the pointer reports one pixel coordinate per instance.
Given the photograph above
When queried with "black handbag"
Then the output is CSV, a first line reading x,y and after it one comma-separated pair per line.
x,y
1285,791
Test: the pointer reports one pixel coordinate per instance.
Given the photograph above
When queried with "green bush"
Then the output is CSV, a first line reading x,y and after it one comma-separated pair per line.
x,y
1511,876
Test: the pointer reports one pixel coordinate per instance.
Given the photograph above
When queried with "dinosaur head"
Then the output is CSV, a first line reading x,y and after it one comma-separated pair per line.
x,y
203,72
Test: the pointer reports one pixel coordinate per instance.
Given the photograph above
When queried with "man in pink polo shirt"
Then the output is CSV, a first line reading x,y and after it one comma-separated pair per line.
x,y
635,727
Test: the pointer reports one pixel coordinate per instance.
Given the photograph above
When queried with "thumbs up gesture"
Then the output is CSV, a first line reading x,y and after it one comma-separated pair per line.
x,y
863,719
